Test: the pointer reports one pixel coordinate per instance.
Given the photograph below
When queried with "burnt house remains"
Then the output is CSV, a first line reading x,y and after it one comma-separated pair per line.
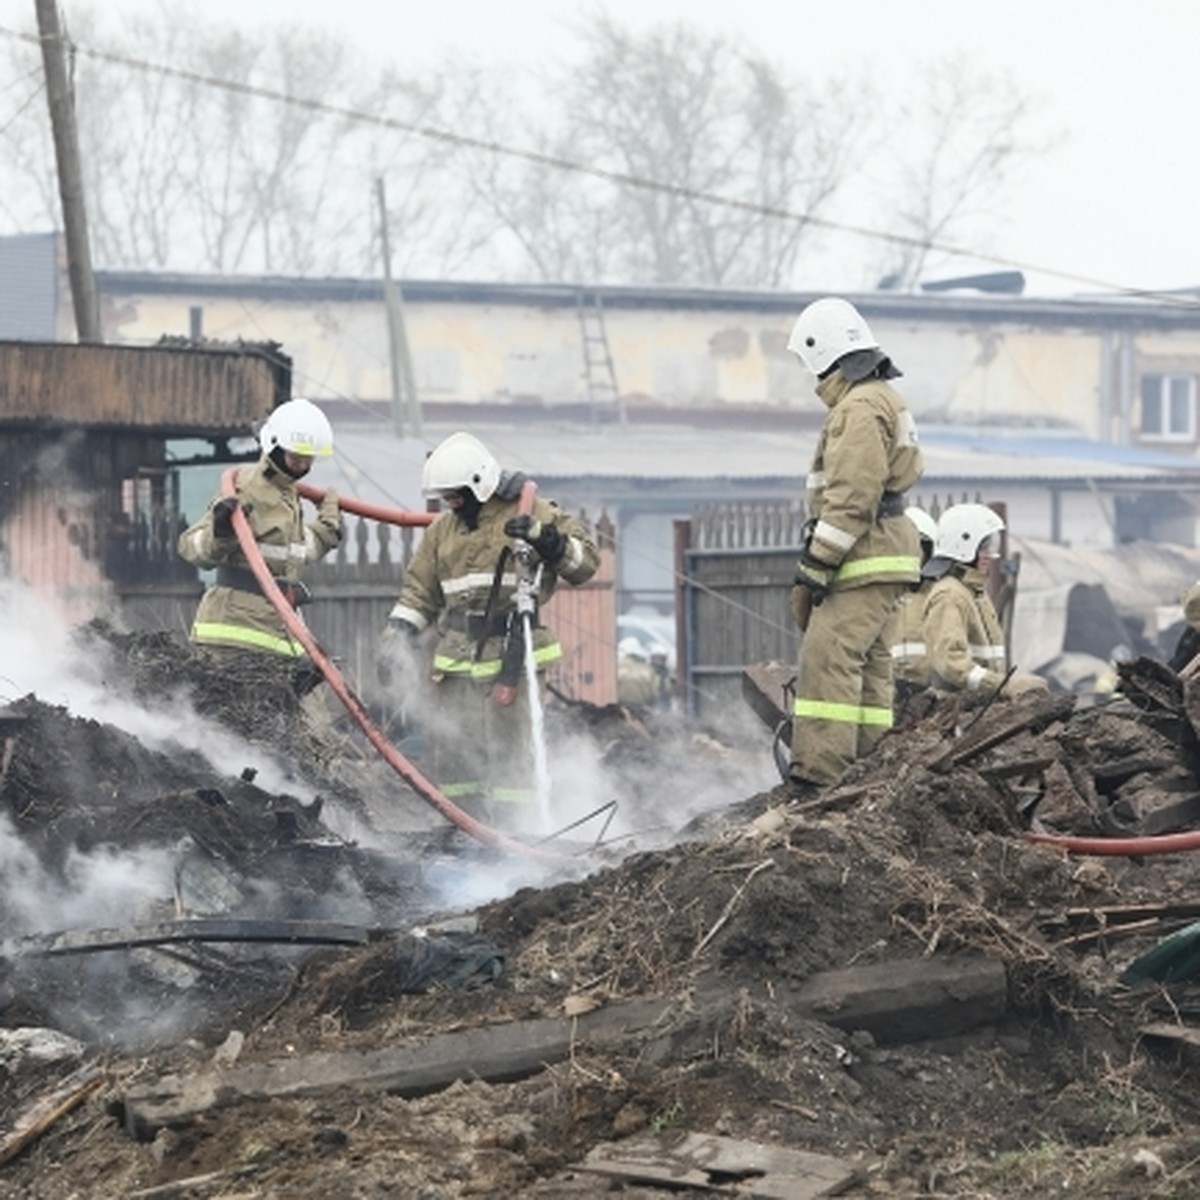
x,y
89,498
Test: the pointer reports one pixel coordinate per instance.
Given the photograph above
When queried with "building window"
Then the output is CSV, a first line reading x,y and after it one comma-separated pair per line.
x,y
1169,408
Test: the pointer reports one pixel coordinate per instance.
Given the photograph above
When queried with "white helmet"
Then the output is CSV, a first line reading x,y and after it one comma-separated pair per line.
x,y
826,330
630,647
962,529
461,461
926,526
299,426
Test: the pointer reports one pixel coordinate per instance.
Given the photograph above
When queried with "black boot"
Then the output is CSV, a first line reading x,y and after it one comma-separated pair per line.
x,y
800,788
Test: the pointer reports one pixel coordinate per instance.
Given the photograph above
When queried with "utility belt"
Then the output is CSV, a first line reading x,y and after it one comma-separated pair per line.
x,y
891,504
477,626
243,580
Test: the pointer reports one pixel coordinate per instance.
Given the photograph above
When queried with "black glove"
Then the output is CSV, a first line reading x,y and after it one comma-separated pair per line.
x,y
545,539
222,517
814,575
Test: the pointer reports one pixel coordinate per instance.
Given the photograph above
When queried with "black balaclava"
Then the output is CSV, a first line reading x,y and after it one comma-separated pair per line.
x,y
468,511
862,364
277,458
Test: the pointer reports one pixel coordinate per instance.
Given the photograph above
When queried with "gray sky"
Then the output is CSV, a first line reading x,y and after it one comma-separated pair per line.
x,y
1115,202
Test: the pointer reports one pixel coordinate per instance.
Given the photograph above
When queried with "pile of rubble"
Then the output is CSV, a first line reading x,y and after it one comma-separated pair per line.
x,y
889,989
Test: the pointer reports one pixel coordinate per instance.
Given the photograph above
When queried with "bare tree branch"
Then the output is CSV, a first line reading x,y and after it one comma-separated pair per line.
x,y
952,155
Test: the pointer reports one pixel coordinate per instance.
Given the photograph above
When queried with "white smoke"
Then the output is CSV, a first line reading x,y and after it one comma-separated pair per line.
x,y
41,656
98,889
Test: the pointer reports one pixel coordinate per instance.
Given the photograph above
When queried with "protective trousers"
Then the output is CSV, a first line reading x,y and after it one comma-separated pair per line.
x,y
843,700
483,751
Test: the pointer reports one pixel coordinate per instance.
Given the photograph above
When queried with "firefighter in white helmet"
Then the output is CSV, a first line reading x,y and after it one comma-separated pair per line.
x,y
463,583
1188,645
963,636
860,553
639,685
234,615
910,659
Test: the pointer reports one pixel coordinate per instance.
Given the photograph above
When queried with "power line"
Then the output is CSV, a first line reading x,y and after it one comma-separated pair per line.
x,y
38,90
620,178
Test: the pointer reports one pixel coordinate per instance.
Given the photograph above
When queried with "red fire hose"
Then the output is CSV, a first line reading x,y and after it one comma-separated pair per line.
x,y
1134,847
376,512
424,788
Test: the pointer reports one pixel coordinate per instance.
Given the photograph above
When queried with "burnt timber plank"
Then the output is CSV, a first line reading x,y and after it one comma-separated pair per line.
x,y
722,1166
1184,1035
1032,713
1172,816
494,1053
1113,913
907,1001
765,687
48,1109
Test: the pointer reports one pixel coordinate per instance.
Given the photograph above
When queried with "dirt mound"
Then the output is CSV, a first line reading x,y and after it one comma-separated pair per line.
x,y
890,975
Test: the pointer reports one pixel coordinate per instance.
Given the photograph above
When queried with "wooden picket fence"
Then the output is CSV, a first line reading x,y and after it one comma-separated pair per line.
x,y
354,590
734,569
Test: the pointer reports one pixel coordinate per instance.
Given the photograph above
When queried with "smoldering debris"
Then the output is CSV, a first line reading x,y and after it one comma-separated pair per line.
x,y
103,829
736,981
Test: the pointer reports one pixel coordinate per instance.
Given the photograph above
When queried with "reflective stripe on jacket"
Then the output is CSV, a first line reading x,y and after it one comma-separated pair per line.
x,y
963,634
910,655
868,446
244,619
451,573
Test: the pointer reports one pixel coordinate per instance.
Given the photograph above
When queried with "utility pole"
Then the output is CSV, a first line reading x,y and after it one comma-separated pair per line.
x,y
404,384
70,175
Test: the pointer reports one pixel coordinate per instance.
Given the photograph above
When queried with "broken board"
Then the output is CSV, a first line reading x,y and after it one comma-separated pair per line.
x,y
495,1053
908,1000
722,1166
767,689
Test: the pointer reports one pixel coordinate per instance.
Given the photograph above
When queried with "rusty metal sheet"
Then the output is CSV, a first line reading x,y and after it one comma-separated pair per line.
x,y
173,390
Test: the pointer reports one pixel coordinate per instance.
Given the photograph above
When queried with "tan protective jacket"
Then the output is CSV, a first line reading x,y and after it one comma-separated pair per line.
x,y
963,634
639,685
242,617
910,656
868,446
450,578
1191,606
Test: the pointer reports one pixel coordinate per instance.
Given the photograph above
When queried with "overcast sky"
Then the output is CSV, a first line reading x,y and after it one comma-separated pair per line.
x,y
1117,83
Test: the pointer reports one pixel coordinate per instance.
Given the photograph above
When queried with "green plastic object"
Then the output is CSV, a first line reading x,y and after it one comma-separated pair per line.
x,y
1174,958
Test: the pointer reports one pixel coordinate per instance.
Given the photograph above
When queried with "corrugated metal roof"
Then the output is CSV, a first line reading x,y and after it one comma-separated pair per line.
x,y
1180,310
371,462
1042,444
28,286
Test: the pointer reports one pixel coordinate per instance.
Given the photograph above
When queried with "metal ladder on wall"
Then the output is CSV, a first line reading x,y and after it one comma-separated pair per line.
x,y
599,374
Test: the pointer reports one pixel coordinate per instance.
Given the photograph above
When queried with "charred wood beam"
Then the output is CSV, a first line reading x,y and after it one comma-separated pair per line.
x,y
1110,775
1027,717
1024,766
1133,912
495,1053
48,1109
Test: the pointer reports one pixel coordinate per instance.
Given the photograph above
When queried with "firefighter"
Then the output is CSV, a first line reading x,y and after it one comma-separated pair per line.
x,y
860,552
910,660
962,629
639,683
234,616
1188,645
465,581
